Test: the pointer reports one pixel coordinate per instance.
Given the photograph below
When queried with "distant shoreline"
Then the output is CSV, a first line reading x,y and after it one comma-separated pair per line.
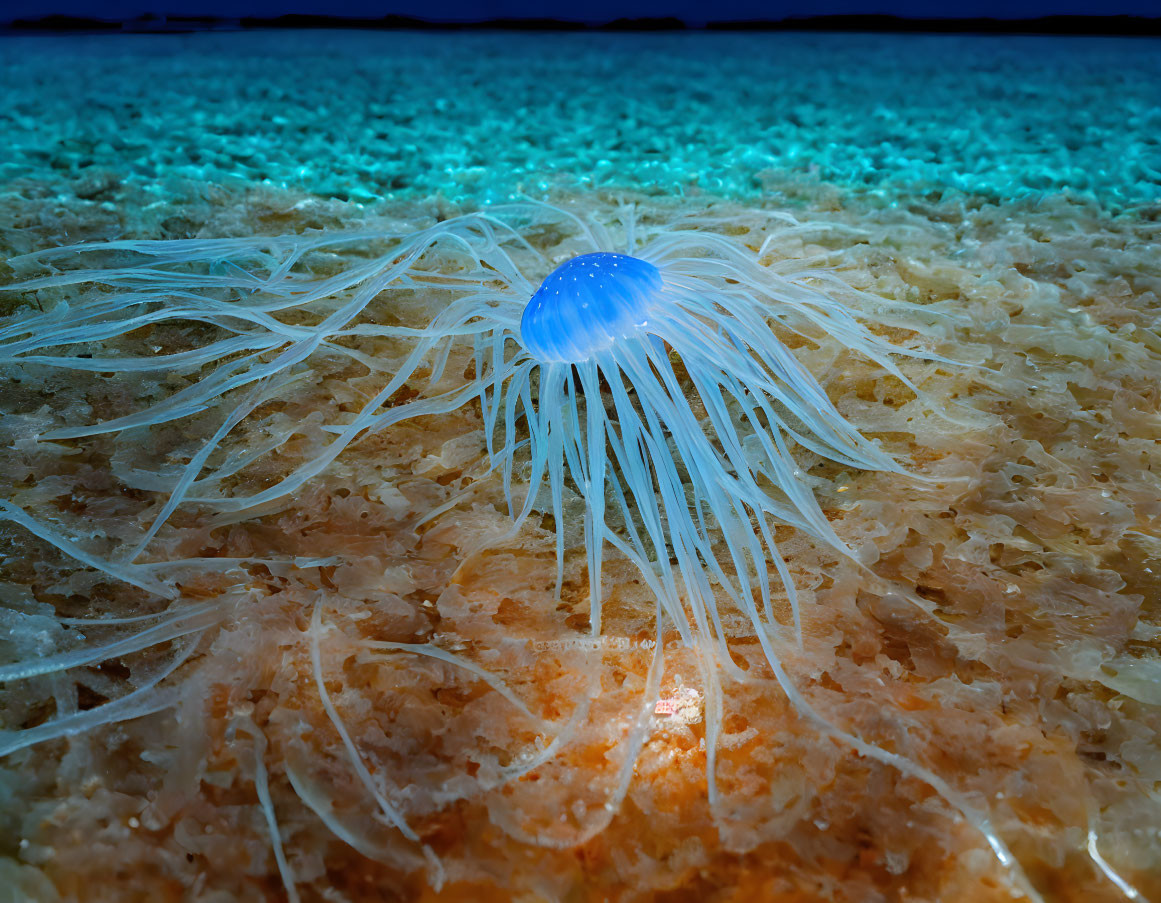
x,y
1077,26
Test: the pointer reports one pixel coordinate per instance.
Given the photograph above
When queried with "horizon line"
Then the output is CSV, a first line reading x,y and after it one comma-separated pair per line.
x,y
1116,25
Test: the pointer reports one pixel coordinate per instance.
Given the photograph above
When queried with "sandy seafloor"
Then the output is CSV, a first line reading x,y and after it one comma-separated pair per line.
x,y
1003,633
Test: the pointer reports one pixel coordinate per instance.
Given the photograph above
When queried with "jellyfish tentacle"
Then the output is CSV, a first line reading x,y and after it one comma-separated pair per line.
x,y
390,812
595,438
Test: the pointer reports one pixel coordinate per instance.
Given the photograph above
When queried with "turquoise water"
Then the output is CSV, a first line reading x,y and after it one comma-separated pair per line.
x,y
480,117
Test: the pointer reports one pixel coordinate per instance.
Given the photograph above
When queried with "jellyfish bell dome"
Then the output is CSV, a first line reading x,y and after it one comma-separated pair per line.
x,y
588,303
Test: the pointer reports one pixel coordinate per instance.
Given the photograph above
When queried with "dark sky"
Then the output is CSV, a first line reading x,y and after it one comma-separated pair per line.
x,y
591,11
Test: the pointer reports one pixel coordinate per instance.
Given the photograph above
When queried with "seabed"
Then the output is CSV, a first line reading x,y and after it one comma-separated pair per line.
x,y
357,700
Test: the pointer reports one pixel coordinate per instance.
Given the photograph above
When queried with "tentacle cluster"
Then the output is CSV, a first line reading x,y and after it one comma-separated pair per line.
x,y
677,425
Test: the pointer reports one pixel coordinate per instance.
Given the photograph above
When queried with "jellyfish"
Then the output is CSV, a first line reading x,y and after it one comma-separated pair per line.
x,y
654,381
